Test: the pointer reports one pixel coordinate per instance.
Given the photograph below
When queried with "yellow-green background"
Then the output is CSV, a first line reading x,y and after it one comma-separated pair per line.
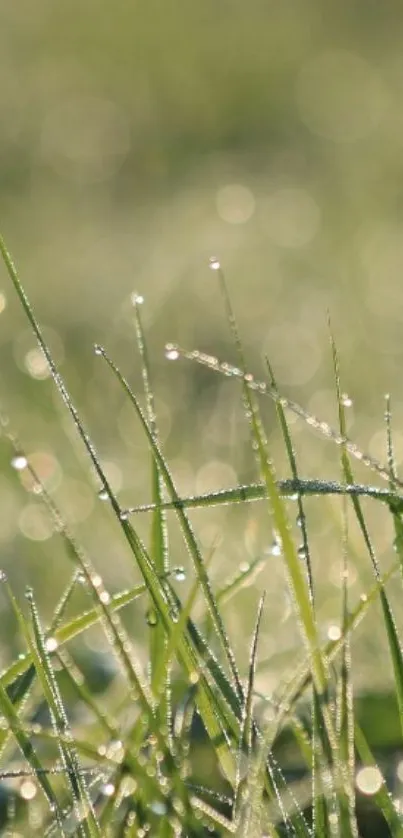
x,y
138,139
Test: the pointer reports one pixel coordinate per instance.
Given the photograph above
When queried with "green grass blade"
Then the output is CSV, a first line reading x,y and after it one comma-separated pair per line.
x,y
390,625
286,488
159,531
173,351
87,825
186,528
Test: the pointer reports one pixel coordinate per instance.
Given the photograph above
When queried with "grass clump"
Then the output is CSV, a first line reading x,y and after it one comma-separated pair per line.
x,y
136,769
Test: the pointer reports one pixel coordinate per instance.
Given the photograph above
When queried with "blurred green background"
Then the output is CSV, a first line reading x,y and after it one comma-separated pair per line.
x,y
138,140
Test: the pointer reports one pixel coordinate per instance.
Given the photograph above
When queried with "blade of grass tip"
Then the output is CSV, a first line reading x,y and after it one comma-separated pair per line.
x,y
149,573
173,352
390,625
260,444
187,529
245,738
16,727
159,531
298,586
87,824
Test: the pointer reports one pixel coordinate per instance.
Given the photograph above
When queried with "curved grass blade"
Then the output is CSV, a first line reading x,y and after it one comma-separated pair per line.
x,y
390,625
286,488
174,352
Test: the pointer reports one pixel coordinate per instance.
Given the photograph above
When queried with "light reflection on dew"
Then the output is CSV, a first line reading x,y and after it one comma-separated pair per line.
x,y
369,780
19,462
334,632
28,790
136,299
171,352
214,264
346,400
51,644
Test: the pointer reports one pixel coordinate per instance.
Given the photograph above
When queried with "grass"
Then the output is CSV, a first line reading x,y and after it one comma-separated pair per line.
x,y
136,768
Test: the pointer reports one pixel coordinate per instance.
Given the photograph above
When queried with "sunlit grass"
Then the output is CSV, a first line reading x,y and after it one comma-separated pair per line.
x,y
187,745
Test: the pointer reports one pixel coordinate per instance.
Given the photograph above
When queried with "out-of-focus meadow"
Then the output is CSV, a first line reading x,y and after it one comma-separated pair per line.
x,y
138,140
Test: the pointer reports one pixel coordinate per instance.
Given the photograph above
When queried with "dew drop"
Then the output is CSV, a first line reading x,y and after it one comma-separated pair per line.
x,y
108,789
3,576
98,349
214,264
276,548
179,574
103,494
158,807
152,617
369,779
123,515
29,594
81,578
137,299
346,400
19,462
51,644
174,615
301,552
171,352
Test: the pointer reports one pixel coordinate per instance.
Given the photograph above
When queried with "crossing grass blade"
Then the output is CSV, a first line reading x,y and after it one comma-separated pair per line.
x,y
159,532
390,625
320,750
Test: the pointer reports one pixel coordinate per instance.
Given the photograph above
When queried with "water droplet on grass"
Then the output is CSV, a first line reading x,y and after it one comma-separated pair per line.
x,y
137,299
19,462
214,264
51,644
103,494
152,617
346,400
171,352
98,349
179,574
123,515
276,547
